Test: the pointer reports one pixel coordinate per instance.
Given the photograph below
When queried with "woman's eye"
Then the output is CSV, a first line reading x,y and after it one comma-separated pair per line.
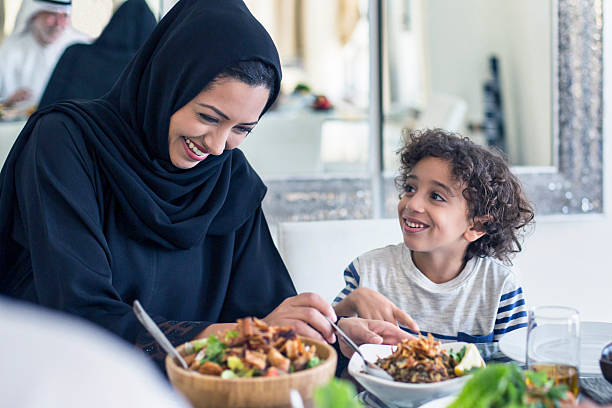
x,y
209,118
242,129
409,189
437,197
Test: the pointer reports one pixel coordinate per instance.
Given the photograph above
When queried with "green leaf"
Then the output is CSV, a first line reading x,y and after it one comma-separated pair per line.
x,y
230,334
214,349
336,394
313,362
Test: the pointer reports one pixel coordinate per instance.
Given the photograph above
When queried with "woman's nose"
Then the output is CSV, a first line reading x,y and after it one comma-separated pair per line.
x,y
218,140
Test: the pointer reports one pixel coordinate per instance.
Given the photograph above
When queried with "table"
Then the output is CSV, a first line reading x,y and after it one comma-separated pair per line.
x,y
594,387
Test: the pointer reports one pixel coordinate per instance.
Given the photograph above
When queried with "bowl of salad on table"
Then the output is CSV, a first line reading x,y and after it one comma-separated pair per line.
x,y
255,365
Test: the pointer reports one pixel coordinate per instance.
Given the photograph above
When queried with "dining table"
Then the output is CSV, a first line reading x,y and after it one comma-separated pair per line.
x,y
592,386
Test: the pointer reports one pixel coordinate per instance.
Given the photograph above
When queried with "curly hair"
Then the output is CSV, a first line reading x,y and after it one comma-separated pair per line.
x,y
495,200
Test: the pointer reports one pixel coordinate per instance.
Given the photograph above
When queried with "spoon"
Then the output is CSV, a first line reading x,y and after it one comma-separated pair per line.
x,y
157,334
370,368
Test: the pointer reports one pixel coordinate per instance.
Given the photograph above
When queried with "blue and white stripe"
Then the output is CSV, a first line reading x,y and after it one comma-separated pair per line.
x,y
511,313
351,277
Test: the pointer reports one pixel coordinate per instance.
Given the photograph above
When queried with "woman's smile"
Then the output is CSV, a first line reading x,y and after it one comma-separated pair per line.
x,y
194,150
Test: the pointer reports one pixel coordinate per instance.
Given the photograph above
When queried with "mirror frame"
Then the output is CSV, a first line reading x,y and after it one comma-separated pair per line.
x,y
573,185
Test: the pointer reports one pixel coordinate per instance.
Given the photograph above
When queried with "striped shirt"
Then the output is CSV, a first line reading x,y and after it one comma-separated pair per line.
x,y
479,305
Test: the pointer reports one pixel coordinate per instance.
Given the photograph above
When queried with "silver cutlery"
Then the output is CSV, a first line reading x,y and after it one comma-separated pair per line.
x,y
370,368
157,334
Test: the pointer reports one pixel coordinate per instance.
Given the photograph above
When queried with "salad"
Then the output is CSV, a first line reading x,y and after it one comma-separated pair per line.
x,y
253,350
506,385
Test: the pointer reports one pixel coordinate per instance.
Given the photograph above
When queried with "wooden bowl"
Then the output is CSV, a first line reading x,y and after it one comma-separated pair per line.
x,y
210,391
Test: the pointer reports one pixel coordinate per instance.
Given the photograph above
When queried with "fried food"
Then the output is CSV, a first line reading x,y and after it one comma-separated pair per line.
x,y
419,360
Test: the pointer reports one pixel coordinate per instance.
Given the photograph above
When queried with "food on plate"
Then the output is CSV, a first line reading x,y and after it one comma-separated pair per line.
x,y
471,359
421,360
253,350
506,385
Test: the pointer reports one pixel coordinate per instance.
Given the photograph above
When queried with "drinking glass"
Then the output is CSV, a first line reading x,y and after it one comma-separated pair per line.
x,y
553,344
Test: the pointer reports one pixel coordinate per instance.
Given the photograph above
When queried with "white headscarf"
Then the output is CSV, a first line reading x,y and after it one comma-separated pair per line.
x,y
29,8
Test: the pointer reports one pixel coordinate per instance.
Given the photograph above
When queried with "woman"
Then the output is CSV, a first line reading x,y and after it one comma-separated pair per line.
x,y
141,194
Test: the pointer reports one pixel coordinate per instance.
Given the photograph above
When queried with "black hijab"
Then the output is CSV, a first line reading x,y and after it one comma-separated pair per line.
x,y
88,71
128,130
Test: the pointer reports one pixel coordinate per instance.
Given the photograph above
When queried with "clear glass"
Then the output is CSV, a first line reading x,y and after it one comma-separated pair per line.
x,y
553,343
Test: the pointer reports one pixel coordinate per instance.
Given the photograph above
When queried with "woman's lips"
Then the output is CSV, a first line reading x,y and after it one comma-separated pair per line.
x,y
192,155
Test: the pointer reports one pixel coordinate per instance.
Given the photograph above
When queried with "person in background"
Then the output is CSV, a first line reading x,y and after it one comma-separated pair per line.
x,y
42,33
461,212
143,194
88,71
55,361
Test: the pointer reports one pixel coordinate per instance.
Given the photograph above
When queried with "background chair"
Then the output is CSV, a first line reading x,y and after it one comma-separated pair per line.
x,y
316,253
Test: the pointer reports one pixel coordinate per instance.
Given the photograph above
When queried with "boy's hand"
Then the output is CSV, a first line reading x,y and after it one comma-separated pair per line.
x,y
369,304
363,331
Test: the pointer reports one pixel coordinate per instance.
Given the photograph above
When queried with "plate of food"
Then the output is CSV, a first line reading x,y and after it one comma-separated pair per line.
x,y
423,369
255,365
593,337
505,385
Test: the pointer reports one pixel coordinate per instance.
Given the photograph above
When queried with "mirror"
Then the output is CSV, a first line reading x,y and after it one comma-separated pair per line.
x,y
558,157
482,68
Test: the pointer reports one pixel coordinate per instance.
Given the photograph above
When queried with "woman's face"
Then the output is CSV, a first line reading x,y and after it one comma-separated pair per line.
x,y
217,119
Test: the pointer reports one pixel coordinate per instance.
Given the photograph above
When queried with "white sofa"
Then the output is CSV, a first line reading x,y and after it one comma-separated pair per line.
x,y
316,253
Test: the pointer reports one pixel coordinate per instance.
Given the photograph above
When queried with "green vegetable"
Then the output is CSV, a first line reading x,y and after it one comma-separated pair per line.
x,y
313,362
214,350
458,356
336,394
194,346
504,385
235,364
230,334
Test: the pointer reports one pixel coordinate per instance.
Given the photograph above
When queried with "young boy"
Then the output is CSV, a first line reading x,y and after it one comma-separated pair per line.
x,y
461,211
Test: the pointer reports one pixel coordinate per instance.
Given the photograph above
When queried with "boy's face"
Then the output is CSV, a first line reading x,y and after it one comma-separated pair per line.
x,y
432,211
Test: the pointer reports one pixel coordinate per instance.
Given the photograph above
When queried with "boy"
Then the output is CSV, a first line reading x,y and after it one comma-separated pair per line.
x,y
461,211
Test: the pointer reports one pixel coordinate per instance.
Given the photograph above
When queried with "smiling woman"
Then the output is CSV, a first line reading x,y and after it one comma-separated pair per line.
x,y
141,194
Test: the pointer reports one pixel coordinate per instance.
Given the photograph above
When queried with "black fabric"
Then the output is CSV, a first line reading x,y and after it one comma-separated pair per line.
x,y
88,71
93,215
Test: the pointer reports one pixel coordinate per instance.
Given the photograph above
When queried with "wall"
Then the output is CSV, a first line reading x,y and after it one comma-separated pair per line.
x,y
568,261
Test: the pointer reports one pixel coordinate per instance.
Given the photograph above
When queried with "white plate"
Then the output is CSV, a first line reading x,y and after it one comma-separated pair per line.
x,y
397,393
439,403
593,338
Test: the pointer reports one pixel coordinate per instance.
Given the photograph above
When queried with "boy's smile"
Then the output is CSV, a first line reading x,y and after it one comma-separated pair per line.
x,y
433,213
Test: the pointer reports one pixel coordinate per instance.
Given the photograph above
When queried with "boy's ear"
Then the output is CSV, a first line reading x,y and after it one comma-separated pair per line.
x,y
475,230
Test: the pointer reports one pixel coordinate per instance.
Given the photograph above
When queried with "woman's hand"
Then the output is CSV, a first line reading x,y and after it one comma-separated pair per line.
x,y
369,304
304,313
363,331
